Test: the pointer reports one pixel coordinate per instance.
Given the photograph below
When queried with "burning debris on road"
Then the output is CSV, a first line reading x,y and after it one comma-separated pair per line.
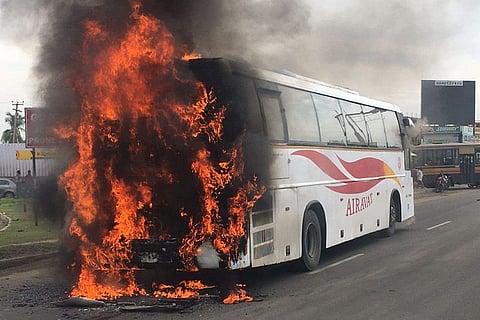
x,y
153,164
165,299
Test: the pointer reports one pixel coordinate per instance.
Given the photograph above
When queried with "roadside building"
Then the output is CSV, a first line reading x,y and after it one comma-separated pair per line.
x,y
446,134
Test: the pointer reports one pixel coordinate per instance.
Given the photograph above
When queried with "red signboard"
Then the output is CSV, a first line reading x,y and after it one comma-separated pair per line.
x,y
37,134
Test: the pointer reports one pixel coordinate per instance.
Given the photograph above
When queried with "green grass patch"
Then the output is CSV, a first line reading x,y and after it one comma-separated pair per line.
x,y
22,226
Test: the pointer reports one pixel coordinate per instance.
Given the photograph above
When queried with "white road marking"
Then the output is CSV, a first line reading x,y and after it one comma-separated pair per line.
x,y
438,225
336,263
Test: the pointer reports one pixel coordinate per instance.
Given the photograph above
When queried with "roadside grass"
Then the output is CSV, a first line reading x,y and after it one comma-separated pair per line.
x,y
22,236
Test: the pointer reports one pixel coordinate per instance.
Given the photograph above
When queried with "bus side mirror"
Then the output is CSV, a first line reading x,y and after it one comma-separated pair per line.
x,y
407,122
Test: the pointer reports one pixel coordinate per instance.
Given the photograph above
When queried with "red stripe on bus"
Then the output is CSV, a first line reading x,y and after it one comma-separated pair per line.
x,y
360,169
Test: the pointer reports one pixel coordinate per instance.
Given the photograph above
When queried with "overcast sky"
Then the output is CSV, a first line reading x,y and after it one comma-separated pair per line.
x,y
380,48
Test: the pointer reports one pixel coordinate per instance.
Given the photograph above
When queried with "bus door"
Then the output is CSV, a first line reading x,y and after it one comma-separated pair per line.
x,y
467,167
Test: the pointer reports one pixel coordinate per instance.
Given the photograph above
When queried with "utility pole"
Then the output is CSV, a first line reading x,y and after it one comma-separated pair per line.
x,y
16,104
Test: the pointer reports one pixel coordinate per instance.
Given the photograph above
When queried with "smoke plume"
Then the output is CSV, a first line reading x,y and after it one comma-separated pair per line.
x,y
381,49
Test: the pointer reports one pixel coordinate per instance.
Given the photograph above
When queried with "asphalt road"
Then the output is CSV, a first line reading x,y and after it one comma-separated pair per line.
x,y
428,270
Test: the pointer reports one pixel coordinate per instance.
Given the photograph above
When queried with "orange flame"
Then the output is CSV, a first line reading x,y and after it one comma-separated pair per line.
x,y
130,120
185,289
172,292
237,295
116,89
225,239
190,56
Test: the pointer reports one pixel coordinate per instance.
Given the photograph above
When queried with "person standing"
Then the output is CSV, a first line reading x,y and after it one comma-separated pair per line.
x,y
18,177
18,183
420,178
28,183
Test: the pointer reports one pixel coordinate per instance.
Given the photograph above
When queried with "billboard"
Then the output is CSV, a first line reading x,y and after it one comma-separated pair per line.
x,y
37,134
448,102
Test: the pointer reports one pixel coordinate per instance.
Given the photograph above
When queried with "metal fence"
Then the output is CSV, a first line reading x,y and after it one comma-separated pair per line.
x,y
9,163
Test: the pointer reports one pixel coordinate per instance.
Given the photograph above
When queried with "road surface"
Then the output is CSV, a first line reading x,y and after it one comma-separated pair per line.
x,y
428,270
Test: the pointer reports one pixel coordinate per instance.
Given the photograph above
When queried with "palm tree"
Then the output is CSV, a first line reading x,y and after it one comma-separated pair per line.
x,y
17,125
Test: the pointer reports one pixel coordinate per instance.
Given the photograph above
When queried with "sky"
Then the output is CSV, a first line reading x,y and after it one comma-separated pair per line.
x,y
15,79
380,48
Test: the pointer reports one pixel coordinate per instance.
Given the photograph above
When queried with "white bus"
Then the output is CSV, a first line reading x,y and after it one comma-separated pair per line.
x,y
335,163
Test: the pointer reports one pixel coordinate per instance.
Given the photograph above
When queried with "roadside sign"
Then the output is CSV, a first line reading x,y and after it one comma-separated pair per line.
x,y
36,131
39,154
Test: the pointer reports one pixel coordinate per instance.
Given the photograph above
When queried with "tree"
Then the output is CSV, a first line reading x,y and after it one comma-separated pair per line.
x,y
8,136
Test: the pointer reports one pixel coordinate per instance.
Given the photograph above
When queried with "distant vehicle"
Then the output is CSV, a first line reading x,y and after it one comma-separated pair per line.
x,y
8,188
459,161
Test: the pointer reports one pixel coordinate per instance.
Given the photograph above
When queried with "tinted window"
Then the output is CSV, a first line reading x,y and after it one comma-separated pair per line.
x,y
375,126
357,134
332,126
250,99
392,129
300,115
273,117
437,157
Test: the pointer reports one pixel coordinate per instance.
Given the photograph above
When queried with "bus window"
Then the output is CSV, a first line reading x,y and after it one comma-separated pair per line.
x,y
244,98
357,134
330,117
300,115
375,127
438,157
272,110
392,129
248,97
450,157
424,158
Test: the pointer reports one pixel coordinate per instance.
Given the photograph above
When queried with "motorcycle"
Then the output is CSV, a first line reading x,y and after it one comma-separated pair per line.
x,y
441,183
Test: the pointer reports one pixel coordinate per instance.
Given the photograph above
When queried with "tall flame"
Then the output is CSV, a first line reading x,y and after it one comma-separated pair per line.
x,y
139,124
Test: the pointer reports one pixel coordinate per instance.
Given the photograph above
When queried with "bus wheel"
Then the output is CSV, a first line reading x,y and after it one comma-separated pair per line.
x,y
311,241
390,231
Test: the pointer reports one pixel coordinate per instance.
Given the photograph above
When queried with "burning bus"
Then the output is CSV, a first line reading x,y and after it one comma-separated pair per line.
x,y
305,143
208,163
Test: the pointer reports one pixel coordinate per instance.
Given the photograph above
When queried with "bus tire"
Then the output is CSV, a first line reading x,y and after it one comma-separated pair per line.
x,y
392,219
311,241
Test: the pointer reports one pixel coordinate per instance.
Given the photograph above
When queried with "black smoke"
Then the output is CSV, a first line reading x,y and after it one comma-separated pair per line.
x,y
234,29
61,60
382,49
244,30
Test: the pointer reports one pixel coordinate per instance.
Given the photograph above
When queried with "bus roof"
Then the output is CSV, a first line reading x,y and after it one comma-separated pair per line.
x,y
296,81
